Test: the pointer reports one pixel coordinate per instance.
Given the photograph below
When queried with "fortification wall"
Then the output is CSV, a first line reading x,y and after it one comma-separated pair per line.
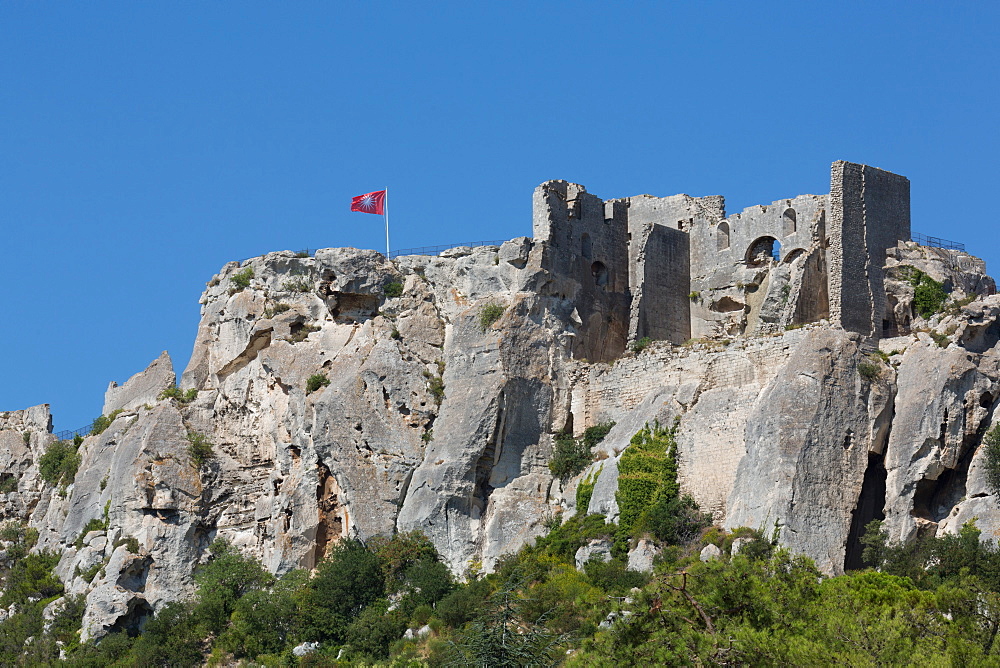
x,y
659,258
586,253
869,213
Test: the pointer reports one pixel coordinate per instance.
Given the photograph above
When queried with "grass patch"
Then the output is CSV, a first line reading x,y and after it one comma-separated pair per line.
x,y
271,311
299,334
489,314
296,285
641,344
393,289
941,339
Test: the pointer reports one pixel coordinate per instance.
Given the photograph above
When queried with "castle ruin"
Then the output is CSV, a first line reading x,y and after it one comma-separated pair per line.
x,y
676,268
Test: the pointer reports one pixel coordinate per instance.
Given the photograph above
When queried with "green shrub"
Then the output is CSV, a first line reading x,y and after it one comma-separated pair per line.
x,y
178,395
941,339
393,289
59,463
647,476
435,384
929,295
241,279
91,572
489,313
26,437
641,344
32,576
92,525
571,455
103,422
694,296
301,332
227,577
271,311
347,581
296,285
869,370
991,460
316,381
585,490
199,448
8,483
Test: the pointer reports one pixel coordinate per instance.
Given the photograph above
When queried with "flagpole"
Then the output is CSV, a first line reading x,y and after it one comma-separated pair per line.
x,y
386,211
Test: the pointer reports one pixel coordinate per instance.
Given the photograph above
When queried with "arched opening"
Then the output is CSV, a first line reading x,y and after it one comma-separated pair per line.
x,y
600,273
793,255
722,236
587,247
788,218
762,251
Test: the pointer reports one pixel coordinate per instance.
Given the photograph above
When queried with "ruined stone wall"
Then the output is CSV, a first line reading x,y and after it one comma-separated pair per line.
x,y
587,257
869,213
659,258
738,288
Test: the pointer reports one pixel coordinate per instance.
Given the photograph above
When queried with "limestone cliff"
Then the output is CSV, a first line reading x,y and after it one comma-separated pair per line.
x,y
346,394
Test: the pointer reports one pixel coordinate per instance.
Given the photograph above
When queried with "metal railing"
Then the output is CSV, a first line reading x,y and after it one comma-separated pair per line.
x,y
434,250
936,242
305,252
68,434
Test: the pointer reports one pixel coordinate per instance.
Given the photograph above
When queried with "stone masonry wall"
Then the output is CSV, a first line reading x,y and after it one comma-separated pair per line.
x,y
869,213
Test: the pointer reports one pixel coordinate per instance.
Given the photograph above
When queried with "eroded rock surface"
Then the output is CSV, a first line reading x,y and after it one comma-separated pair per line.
x,y
347,395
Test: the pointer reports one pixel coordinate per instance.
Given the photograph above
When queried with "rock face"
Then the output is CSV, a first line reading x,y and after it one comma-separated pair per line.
x,y
348,395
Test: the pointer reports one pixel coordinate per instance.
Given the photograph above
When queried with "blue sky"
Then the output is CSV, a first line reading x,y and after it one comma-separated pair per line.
x,y
145,144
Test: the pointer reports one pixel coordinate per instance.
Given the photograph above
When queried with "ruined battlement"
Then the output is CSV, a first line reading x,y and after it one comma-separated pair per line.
x,y
678,267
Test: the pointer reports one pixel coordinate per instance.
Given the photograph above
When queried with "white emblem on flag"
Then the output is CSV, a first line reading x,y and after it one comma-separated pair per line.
x,y
368,202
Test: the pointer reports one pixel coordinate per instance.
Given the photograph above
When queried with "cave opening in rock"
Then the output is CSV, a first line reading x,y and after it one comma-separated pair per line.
x,y
870,506
134,620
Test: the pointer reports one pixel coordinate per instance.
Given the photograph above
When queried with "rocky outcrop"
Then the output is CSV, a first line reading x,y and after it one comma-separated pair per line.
x,y
347,395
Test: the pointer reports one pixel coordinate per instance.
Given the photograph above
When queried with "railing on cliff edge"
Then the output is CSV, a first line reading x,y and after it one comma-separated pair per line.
x,y
423,250
434,250
936,242
69,434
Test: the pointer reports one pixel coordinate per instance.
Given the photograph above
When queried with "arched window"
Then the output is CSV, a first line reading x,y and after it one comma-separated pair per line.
x,y
587,247
789,218
722,236
763,250
600,273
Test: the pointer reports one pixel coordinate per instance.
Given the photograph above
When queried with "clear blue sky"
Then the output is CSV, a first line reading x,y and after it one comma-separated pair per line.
x,y
145,144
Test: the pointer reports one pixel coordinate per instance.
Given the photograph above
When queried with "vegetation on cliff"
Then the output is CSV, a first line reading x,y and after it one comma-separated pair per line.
x,y
392,601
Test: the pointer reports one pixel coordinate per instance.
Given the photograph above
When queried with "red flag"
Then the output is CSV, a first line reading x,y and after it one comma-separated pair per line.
x,y
370,203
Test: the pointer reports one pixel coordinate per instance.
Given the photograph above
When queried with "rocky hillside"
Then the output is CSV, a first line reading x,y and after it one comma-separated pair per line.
x,y
347,395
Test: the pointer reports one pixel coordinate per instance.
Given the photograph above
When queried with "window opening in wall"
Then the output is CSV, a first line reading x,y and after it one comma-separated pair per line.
x,y
722,236
587,247
763,250
600,273
789,220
